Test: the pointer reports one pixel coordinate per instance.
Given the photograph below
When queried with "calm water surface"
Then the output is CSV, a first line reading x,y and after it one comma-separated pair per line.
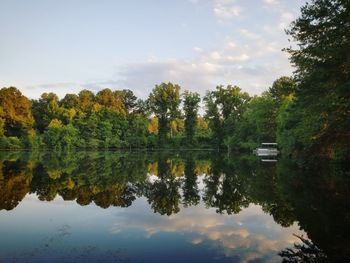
x,y
170,207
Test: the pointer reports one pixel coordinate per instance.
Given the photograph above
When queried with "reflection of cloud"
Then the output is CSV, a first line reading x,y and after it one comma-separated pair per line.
x,y
197,241
250,234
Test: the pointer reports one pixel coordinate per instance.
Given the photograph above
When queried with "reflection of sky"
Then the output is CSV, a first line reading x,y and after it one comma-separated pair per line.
x,y
251,234
195,233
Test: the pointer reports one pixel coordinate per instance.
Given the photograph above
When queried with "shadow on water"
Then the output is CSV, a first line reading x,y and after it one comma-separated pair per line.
x,y
316,197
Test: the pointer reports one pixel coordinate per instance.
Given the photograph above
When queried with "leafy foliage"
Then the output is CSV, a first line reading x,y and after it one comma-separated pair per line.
x,y
320,110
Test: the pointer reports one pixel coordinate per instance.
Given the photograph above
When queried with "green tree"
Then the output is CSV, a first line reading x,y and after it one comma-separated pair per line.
x,y
224,109
258,123
128,99
320,110
70,101
282,88
164,102
58,135
191,105
46,109
212,115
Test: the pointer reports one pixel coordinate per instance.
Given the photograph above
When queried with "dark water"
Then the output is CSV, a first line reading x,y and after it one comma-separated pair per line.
x,y
170,207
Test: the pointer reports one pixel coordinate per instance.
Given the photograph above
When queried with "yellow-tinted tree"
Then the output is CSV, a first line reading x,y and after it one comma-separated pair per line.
x,y
110,100
16,112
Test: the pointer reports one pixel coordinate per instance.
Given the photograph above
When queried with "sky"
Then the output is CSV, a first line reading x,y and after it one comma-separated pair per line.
x,y
66,46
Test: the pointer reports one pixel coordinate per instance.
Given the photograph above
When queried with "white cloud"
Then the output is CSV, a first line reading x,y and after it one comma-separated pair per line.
x,y
241,58
226,9
248,34
231,45
242,54
198,49
271,2
253,67
215,55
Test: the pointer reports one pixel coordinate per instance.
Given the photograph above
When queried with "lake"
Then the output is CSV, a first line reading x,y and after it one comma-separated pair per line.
x,y
170,207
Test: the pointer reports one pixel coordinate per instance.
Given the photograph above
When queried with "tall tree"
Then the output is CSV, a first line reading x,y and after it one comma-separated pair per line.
x,y
322,60
214,119
164,102
191,105
224,108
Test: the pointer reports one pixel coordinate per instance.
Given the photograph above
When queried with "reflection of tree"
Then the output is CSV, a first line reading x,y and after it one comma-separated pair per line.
x,y
104,178
317,198
84,195
281,211
225,189
320,195
306,252
14,183
122,196
190,186
163,194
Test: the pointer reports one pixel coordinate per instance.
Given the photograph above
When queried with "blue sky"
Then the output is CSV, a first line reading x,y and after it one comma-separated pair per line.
x,y
65,46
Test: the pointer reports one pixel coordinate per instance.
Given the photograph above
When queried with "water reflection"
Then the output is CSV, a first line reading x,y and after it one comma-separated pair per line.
x,y
183,190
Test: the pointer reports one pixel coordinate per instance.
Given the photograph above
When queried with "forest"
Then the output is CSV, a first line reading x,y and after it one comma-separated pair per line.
x,y
306,113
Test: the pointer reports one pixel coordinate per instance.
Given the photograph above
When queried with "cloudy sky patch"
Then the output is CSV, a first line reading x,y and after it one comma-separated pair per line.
x,y
67,46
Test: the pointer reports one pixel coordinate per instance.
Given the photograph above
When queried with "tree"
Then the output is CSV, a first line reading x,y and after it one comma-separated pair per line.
x,y
109,99
2,124
128,99
258,123
15,112
224,109
282,88
59,136
46,109
321,106
70,101
191,105
164,102
86,100
212,115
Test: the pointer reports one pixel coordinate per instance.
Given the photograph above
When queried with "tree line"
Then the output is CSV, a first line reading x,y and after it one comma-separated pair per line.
x,y
307,113
118,119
